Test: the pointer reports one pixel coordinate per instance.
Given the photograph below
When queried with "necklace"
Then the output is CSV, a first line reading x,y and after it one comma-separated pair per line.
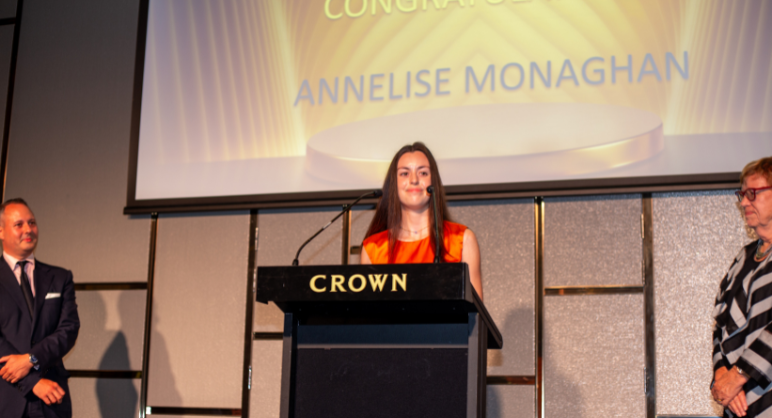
x,y
759,255
414,232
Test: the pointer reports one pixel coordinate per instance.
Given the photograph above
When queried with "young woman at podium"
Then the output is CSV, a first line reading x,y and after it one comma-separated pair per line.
x,y
402,230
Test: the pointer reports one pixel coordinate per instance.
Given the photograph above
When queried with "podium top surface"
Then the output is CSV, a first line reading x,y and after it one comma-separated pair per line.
x,y
384,282
418,286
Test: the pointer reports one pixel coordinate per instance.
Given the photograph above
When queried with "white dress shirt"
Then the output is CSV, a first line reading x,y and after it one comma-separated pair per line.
x,y
29,268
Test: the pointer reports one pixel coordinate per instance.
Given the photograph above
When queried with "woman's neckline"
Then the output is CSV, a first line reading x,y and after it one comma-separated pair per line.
x,y
421,233
415,240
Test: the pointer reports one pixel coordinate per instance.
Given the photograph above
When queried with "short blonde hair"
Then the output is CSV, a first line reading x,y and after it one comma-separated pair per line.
x,y
762,167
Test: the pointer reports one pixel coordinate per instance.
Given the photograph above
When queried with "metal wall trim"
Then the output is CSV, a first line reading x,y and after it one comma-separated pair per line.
x,y
592,290
686,416
111,286
650,370
107,374
148,315
192,205
594,191
511,380
345,231
188,207
277,336
538,209
216,412
620,185
288,362
246,386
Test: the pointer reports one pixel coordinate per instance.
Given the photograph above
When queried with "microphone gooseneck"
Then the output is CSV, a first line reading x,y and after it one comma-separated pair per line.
x,y
437,243
346,208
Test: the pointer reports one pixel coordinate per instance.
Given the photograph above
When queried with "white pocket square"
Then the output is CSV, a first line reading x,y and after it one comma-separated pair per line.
x,y
53,295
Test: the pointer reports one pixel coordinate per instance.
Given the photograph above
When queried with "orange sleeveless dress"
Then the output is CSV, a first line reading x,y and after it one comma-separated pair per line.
x,y
421,251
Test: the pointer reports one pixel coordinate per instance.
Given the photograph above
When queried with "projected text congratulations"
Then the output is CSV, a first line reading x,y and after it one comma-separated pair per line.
x,y
336,9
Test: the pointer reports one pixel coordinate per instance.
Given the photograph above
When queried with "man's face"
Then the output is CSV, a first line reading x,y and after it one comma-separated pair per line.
x,y
19,231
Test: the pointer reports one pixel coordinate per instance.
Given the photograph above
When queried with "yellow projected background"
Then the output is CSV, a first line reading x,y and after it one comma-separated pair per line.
x,y
265,71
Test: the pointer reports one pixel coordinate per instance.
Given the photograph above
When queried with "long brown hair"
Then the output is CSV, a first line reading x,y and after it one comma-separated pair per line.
x,y
388,212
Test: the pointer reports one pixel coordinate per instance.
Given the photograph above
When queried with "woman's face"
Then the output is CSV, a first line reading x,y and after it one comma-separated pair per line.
x,y
758,213
413,177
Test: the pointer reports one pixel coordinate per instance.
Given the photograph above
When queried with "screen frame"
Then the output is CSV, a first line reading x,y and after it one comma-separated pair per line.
x,y
487,191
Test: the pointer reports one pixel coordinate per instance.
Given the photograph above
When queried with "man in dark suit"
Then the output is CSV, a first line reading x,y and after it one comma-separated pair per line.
x,y
38,322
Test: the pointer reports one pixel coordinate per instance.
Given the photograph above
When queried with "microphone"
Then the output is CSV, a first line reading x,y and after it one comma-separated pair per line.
x,y
346,208
430,190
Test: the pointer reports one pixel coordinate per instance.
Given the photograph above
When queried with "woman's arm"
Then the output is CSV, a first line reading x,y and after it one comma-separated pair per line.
x,y
471,256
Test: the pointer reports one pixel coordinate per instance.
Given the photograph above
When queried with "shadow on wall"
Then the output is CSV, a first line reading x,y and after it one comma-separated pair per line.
x,y
514,319
512,402
164,394
562,396
494,405
117,397
500,403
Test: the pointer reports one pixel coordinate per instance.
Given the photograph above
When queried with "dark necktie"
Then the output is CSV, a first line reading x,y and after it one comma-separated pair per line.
x,y
26,288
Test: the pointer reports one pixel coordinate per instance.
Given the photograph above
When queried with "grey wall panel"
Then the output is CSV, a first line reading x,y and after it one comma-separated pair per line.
x,y
280,234
360,221
696,237
510,401
267,318
265,397
6,48
112,325
197,339
593,356
69,136
7,9
104,398
590,241
505,232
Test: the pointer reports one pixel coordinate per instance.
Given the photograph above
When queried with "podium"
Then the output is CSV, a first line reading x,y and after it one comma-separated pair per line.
x,y
400,340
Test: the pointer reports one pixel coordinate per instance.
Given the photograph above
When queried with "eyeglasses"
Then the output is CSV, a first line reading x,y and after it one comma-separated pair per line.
x,y
749,193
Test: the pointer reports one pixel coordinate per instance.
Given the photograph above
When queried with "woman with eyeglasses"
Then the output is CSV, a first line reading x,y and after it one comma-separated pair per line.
x,y
742,334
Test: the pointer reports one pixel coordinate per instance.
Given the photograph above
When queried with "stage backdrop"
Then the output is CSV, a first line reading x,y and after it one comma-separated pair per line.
x,y
265,97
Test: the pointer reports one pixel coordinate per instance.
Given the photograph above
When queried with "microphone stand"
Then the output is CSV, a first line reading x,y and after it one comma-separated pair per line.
x,y
346,208
430,190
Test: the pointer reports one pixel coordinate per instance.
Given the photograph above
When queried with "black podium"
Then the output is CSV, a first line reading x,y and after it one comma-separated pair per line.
x,y
404,340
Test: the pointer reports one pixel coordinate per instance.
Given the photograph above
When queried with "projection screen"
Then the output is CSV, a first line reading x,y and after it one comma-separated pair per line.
x,y
275,98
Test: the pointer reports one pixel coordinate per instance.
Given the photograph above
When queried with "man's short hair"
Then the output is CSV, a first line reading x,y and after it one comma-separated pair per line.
x,y
16,200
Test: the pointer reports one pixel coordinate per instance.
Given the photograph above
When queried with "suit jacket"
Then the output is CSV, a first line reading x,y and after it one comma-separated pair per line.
x,y
49,337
